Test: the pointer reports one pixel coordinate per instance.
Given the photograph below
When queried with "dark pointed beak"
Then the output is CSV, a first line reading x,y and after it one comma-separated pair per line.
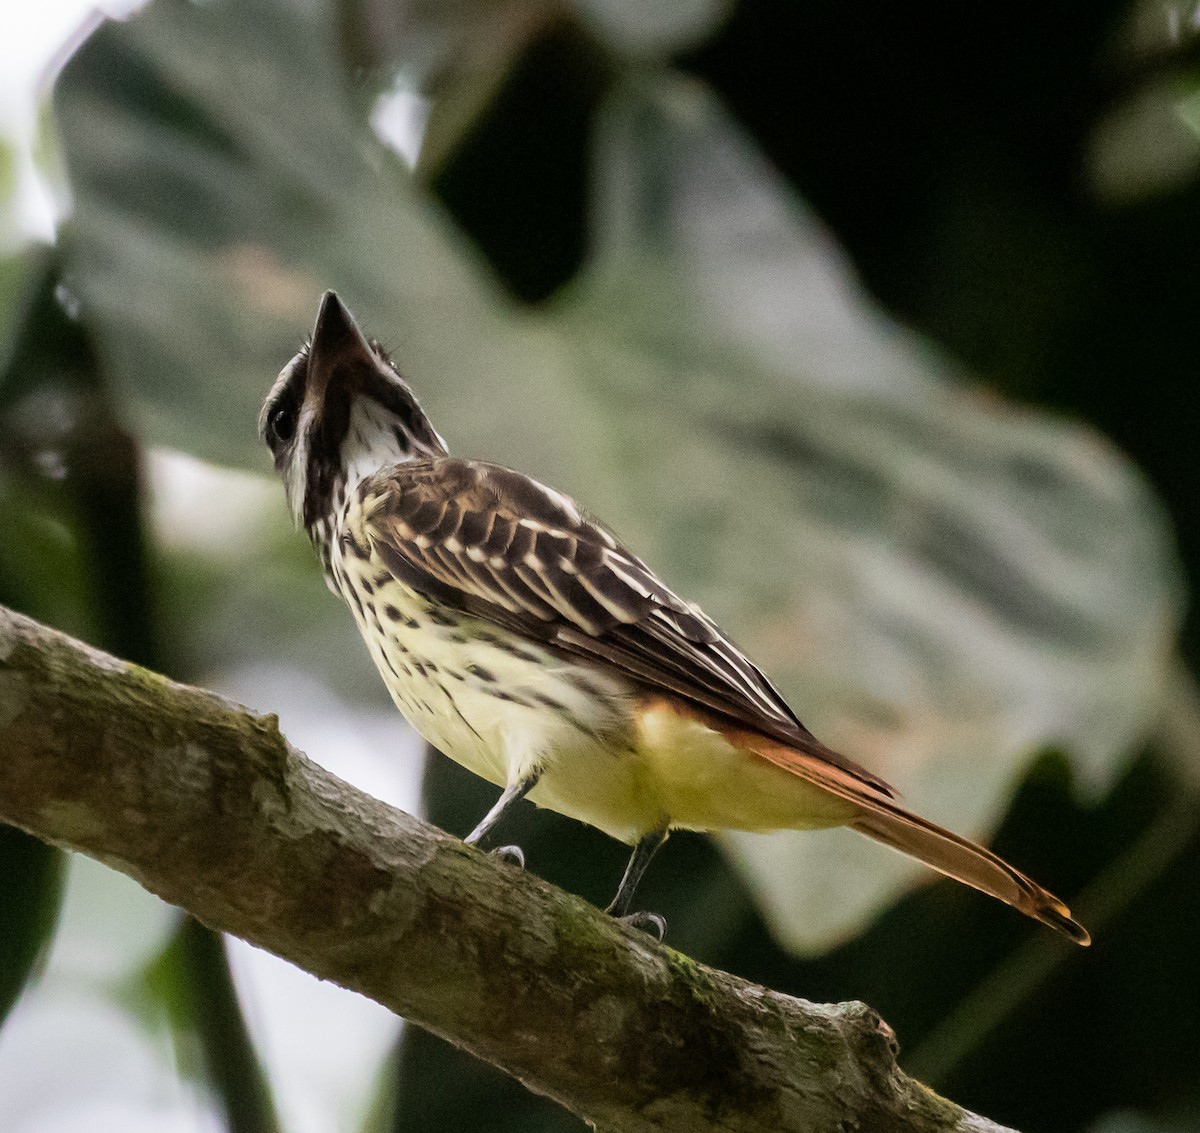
x,y
336,341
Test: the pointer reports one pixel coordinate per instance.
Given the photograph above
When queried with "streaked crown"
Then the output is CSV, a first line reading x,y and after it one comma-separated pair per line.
x,y
339,411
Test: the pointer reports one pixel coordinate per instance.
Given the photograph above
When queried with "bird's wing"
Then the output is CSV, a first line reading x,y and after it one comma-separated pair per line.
x,y
502,547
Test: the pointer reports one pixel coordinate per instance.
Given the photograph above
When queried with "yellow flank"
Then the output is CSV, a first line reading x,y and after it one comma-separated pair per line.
x,y
668,769
706,783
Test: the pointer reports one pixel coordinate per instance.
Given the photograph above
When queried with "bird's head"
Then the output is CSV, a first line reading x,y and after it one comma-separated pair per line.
x,y
339,411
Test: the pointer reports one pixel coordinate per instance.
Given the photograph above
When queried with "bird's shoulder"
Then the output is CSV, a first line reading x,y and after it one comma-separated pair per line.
x,y
500,535
438,496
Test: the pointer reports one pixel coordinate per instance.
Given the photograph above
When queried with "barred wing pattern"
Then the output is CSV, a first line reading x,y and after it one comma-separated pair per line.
x,y
498,545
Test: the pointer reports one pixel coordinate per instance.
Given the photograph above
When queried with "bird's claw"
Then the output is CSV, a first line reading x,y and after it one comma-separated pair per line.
x,y
650,923
510,855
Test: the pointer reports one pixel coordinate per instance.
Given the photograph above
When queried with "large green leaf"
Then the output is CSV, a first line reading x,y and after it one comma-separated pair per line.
x,y
216,195
941,583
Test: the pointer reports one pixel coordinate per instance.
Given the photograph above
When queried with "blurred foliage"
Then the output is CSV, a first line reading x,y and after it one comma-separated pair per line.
x,y
40,571
990,235
76,556
606,273
30,891
693,352
192,979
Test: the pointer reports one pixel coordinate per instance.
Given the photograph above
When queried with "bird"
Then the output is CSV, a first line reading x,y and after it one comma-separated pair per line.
x,y
521,638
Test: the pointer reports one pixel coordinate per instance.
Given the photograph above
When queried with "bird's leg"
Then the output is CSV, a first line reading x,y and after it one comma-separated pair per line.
x,y
513,793
646,848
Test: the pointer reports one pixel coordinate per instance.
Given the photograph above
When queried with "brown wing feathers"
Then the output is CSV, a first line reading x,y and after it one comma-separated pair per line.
x,y
495,542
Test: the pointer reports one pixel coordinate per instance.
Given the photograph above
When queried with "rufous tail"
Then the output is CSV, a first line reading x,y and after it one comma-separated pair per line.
x,y
886,821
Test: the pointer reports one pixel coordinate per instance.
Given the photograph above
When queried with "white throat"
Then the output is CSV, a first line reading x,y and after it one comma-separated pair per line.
x,y
371,442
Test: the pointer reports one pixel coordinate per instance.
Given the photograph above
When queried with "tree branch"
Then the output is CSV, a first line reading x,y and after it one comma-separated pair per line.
x,y
208,806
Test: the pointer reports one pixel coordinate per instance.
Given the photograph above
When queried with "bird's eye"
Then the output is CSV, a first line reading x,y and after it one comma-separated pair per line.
x,y
282,422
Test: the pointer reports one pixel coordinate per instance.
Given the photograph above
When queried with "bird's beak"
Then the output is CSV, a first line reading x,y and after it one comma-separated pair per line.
x,y
337,343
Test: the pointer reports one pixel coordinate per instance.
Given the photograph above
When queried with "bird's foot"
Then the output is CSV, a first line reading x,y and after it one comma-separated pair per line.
x,y
510,855
651,923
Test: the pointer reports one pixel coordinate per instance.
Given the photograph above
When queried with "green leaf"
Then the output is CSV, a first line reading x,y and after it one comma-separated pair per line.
x,y
205,176
941,583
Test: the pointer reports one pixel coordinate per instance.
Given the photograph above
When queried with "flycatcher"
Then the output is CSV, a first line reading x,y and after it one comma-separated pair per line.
x,y
520,638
